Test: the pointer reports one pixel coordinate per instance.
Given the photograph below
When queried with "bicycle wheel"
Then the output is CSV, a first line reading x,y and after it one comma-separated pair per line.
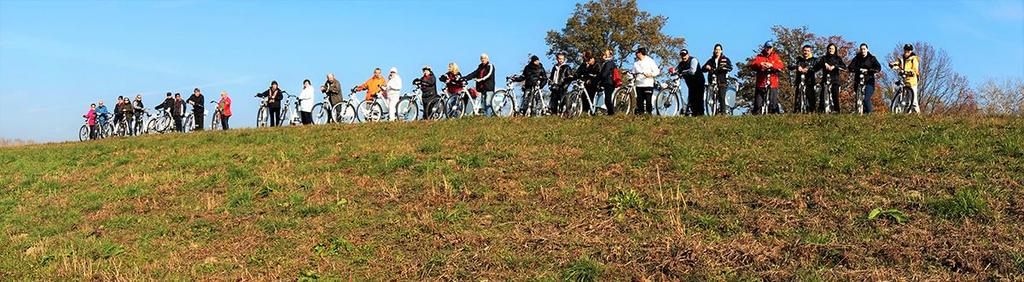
x,y
370,111
573,104
406,110
320,113
262,117
437,110
345,113
454,107
623,101
503,103
83,133
106,130
188,124
666,103
215,121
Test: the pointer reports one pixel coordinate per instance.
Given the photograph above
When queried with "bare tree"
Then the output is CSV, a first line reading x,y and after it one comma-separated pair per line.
x,y
941,89
1004,97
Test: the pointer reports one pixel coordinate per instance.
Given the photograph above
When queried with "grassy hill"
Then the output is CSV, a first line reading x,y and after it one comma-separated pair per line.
x,y
776,198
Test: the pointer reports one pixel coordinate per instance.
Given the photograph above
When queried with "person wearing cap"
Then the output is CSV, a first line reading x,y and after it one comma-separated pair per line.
x,y
689,69
589,71
197,102
908,66
765,64
534,75
332,88
484,77
830,64
806,65
166,104
718,68
306,100
560,78
394,91
373,86
646,70
274,97
865,64
428,87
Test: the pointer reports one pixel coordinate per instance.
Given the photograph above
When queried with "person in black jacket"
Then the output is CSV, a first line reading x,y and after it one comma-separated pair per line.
x,y
427,85
830,65
484,77
690,71
534,75
718,68
196,101
865,64
273,96
588,72
606,79
166,104
178,112
560,79
140,111
805,66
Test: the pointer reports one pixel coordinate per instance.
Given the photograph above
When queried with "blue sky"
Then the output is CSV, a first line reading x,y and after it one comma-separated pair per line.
x,y
56,57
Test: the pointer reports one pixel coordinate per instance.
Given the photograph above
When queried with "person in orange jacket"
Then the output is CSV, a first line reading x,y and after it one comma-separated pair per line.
x,y
373,86
764,64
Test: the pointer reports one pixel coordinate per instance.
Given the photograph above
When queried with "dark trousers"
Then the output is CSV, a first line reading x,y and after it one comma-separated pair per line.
x,y
643,102
130,120
809,95
759,100
695,98
307,117
720,98
834,92
178,125
275,116
555,101
224,122
197,116
93,131
609,101
869,90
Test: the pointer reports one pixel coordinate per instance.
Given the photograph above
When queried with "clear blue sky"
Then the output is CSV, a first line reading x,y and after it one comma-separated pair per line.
x,y
56,57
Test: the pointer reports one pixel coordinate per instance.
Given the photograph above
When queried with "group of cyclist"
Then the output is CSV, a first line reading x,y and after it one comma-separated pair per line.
x,y
596,74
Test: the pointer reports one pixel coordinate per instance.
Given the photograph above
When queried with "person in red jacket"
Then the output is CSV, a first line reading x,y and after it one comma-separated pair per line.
x,y
767,66
225,109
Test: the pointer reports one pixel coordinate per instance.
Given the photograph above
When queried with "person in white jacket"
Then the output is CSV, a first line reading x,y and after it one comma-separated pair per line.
x,y
306,102
645,69
394,91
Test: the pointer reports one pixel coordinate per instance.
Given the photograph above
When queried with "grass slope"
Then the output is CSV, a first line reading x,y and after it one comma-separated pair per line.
x,y
777,198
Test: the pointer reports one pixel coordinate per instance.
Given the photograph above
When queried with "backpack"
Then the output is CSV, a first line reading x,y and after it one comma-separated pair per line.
x,y
617,77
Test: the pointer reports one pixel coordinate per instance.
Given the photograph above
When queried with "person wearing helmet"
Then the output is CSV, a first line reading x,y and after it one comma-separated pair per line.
x,y
689,69
908,66
767,64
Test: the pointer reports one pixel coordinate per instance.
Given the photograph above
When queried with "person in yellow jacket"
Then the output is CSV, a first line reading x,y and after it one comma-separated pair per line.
x,y
909,66
373,86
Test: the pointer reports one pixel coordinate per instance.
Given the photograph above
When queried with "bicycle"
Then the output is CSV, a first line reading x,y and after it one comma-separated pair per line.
x,y
801,96
624,96
768,95
503,103
372,110
140,121
121,127
345,111
85,132
825,92
711,95
457,104
294,119
902,102
668,101
533,102
408,106
323,111
161,123
263,114
215,123
858,94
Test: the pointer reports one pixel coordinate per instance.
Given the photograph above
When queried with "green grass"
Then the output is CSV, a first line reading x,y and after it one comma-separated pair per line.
x,y
544,199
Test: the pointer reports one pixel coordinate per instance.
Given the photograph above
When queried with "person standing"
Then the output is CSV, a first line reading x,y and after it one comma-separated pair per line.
x,y
140,110
198,112
373,86
689,69
867,65
606,78
804,70
718,68
178,112
830,65
274,97
908,67
306,102
90,119
534,77
394,91
225,109
484,77
646,70
767,65
332,88
588,72
428,87
560,79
